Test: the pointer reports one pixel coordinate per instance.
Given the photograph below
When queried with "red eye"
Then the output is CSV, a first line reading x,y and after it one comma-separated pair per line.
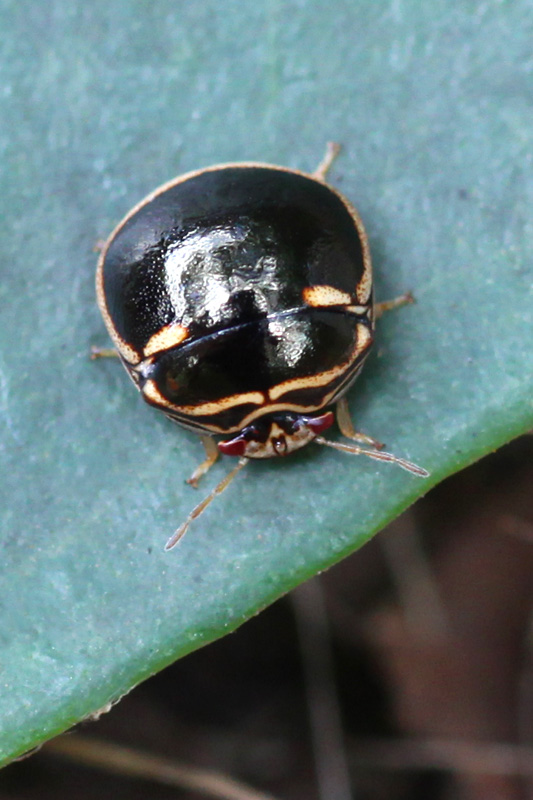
x,y
233,447
319,424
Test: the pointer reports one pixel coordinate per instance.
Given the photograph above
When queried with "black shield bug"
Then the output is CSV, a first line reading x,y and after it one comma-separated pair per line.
x,y
239,298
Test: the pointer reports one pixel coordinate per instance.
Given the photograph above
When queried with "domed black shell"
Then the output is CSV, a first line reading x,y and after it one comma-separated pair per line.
x,y
226,257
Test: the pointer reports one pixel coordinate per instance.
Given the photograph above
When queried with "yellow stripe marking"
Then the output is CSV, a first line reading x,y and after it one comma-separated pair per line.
x,y
322,295
151,392
363,289
364,338
164,339
127,352
359,310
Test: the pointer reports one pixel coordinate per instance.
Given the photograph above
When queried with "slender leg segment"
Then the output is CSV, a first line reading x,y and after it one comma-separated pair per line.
x,y
347,429
103,352
344,421
386,305
332,151
211,455
200,508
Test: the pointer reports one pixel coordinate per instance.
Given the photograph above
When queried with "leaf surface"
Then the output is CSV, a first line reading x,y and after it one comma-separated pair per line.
x,y
101,103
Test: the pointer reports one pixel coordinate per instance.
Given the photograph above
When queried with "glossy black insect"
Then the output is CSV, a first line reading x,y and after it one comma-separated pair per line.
x,y
239,298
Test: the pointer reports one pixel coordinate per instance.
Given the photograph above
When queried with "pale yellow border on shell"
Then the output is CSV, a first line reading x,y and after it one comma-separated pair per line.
x,y
363,288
